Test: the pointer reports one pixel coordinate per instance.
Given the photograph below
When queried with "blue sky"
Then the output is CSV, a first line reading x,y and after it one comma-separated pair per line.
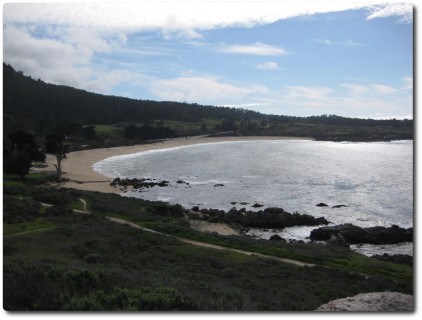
x,y
347,58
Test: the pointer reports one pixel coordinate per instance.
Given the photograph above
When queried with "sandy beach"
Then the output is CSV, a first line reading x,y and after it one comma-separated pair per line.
x,y
78,165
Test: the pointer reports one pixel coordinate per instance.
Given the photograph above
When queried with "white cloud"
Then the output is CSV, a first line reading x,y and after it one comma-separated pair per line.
x,y
378,88
308,93
105,81
65,61
402,10
258,48
349,43
39,56
356,89
376,99
408,83
269,65
85,39
202,90
382,89
178,18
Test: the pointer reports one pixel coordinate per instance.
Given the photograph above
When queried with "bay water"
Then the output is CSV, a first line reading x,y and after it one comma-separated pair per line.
x,y
372,180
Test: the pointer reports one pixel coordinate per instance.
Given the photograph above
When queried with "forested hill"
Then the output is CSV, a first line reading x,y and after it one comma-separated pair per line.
x,y
38,107
34,104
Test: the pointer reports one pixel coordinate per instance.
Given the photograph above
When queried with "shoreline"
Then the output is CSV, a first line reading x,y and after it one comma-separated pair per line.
x,y
78,166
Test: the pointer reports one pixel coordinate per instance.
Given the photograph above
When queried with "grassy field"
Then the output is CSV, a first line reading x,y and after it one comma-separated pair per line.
x,y
86,262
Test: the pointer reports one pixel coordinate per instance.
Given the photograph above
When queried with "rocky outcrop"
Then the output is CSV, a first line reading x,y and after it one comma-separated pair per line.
x,y
136,183
372,302
276,237
269,218
338,240
395,258
354,234
322,204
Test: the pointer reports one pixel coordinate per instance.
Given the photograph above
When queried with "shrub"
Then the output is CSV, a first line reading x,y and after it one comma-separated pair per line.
x,y
139,299
93,258
59,211
19,210
53,196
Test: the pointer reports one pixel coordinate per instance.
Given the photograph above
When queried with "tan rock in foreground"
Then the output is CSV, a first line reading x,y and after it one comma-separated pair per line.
x,y
372,302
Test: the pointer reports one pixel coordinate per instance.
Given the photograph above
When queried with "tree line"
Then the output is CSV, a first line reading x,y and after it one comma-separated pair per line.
x,y
39,107
34,104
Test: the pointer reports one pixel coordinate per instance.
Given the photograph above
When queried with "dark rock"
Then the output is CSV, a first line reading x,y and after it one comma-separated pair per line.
x,y
216,213
275,218
195,209
244,203
138,183
338,240
322,204
391,235
274,210
219,185
195,215
276,237
395,258
351,233
163,183
233,203
257,205
340,206
355,234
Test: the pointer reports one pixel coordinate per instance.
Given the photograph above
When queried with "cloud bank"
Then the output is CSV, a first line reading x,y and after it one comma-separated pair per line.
x,y
185,19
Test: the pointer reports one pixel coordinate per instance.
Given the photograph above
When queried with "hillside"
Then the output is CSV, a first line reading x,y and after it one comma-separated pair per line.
x,y
34,104
39,107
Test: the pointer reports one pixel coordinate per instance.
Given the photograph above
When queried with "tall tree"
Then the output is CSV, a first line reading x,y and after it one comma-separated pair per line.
x,y
20,150
55,145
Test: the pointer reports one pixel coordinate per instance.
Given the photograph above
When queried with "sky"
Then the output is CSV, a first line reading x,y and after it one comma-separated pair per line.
x,y
348,58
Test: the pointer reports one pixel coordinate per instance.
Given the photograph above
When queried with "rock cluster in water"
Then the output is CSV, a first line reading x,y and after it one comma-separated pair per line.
x,y
373,235
143,183
267,218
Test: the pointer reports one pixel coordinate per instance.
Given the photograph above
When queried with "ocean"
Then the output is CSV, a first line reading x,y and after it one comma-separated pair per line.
x,y
373,180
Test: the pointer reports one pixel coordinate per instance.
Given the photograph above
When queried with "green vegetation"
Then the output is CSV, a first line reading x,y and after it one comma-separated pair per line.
x,y
28,226
94,264
86,262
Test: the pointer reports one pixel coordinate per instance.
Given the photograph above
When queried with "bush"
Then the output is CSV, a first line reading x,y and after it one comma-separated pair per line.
x,y
93,258
8,249
165,209
139,299
20,210
53,196
58,211
42,287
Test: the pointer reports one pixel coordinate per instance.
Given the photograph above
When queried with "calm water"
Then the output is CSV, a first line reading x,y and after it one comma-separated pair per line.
x,y
374,180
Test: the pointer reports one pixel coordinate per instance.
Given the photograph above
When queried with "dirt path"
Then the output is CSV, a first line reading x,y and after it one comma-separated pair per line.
x,y
192,242
84,203
213,246
28,232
